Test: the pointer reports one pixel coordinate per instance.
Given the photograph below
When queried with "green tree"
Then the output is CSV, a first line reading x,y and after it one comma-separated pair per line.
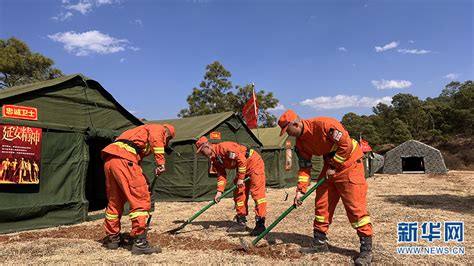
x,y
361,126
409,109
217,94
400,132
212,93
19,65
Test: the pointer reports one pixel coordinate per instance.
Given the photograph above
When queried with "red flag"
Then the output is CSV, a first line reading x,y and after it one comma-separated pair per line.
x,y
364,144
250,111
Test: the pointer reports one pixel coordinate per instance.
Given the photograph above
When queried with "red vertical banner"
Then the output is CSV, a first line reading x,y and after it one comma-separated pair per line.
x,y
20,153
250,111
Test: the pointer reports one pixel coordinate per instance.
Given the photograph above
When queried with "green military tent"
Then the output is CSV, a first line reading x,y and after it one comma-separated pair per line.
x,y
77,117
187,175
274,153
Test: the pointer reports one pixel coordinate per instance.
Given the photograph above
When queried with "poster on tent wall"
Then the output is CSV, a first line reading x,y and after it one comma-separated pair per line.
x,y
20,153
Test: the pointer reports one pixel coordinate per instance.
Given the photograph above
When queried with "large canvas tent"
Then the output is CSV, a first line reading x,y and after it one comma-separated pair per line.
x,y
414,157
187,176
78,117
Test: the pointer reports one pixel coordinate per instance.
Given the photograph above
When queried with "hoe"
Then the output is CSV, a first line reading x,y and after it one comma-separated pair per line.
x,y
188,221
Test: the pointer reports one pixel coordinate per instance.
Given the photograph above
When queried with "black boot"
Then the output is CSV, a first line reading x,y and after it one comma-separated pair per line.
x,y
259,226
112,242
320,242
142,246
365,255
239,225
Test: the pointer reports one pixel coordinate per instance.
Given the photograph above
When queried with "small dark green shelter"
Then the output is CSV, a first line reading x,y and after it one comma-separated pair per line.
x,y
187,175
78,118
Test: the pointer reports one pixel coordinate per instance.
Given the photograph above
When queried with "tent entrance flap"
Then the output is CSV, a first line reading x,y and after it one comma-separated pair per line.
x,y
95,180
413,165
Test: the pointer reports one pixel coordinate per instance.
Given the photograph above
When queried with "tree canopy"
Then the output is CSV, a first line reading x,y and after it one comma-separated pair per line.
x,y
217,94
449,114
19,65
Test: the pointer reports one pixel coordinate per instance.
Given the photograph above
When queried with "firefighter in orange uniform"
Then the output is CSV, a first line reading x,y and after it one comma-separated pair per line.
x,y
126,182
345,171
230,155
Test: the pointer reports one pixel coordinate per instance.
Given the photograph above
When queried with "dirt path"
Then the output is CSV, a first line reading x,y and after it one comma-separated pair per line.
x,y
392,199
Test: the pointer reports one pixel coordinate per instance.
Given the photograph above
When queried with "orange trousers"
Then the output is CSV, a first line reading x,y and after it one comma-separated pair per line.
x,y
125,182
350,186
254,186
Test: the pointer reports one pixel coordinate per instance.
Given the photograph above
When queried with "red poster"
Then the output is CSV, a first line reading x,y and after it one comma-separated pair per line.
x,y
20,153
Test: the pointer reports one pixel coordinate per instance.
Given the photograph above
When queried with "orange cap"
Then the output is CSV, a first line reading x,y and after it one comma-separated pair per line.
x,y
200,143
171,129
285,119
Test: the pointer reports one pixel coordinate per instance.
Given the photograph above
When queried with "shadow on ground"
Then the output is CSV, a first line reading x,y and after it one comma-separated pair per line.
x,y
461,204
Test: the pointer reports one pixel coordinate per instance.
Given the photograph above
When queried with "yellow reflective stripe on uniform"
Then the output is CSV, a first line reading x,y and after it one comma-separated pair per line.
x,y
125,146
365,220
339,158
242,169
260,201
303,179
134,215
159,150
251,152
319,219
111,217
354,145
220,183
239,203
147,149
334,147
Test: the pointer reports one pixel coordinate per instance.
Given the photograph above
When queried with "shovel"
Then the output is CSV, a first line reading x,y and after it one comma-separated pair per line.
x,y
247,245
188,221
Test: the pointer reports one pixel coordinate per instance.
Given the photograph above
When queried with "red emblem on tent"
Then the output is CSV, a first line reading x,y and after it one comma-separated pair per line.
x,y
20,112
215,135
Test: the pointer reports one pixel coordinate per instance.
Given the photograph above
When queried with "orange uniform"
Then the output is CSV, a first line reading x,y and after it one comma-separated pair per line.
x,y
124,178
328,137
230,155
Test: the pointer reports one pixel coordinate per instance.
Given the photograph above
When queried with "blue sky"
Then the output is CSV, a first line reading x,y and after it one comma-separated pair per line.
x,y
320,58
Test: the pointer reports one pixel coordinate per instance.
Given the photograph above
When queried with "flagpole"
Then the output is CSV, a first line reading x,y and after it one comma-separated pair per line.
x,y
255,108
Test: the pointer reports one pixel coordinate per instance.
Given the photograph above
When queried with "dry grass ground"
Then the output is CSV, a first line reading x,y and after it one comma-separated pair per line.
x,y
392,198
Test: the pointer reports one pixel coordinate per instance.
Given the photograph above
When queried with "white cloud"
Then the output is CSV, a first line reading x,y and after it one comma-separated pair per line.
x,y
279,107
63,16
411,41
122,60
86,6
342,49
413,51
90,42
138,22
386,47
391,84
82,7
452,76
344,101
